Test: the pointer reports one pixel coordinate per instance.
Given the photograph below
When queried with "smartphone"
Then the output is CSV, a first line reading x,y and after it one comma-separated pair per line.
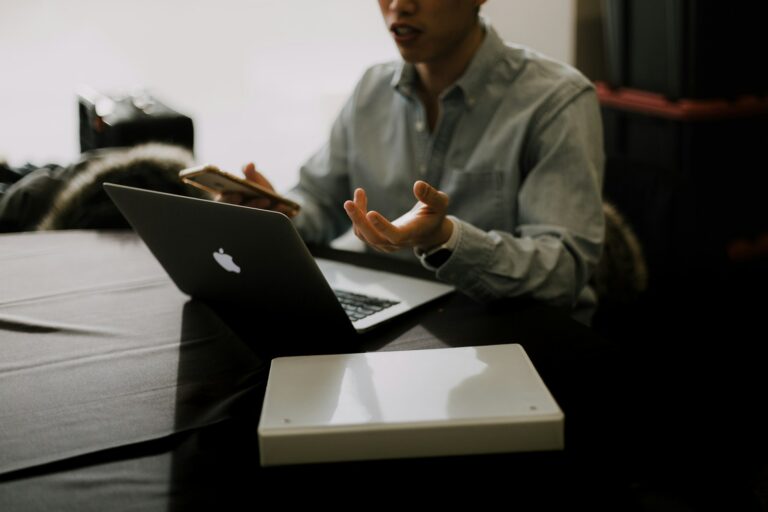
x,y
212,179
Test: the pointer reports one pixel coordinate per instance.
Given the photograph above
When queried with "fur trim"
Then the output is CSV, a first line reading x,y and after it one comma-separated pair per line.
x,y
82,202
622,274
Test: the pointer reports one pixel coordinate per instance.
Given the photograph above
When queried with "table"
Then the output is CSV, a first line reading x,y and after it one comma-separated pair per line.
x,y
119,392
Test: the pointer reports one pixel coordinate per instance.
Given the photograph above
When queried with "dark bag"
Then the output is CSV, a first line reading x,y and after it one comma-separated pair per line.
x,y
119,120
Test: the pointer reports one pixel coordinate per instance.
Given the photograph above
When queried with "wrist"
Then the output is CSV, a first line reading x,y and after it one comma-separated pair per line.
x,y
438,255
442,235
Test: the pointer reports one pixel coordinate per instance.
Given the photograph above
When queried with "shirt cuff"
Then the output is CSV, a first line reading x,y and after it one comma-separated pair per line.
x,y
453,240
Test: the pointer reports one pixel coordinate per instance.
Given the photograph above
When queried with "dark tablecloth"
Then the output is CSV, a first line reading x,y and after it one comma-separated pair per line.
x,y
94,342
117,392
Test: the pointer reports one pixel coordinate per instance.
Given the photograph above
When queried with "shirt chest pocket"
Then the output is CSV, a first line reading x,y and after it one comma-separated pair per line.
x,y
479,197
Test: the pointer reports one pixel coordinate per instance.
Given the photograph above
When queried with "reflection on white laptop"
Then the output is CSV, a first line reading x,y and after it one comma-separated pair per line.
x,y
246,256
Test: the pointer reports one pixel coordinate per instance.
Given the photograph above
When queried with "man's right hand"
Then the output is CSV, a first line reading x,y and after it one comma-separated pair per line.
x,y
251,174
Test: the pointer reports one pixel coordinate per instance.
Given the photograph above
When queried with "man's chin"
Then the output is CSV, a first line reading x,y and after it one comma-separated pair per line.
x,y
412,55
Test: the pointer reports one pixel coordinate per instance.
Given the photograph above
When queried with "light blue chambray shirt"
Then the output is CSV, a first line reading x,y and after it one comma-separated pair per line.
x,y
518,149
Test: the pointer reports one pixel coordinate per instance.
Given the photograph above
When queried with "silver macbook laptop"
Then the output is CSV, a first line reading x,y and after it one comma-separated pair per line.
x,y
252,258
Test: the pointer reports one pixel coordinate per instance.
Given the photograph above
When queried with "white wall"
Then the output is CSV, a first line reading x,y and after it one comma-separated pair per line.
x,y
262,78
546,25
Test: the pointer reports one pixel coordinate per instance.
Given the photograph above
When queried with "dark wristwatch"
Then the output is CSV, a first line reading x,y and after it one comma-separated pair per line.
x,y
437,257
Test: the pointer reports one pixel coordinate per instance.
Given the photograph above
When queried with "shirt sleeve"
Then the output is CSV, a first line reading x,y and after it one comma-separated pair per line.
x,y
324,185
558,240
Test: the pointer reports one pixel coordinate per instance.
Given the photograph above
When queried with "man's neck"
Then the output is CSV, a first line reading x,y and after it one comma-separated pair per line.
x,y
436,76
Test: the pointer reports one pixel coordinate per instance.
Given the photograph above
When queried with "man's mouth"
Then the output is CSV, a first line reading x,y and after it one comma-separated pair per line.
x,y
404,33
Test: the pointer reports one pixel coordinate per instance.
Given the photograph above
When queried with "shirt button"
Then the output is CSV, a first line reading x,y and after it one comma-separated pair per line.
x,y
423,168
419,126
470,101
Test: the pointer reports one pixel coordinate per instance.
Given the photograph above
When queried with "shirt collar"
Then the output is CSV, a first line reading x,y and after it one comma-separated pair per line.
x,y
474,79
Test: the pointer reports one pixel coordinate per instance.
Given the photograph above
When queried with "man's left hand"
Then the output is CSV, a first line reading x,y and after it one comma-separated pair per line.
x,y
425,226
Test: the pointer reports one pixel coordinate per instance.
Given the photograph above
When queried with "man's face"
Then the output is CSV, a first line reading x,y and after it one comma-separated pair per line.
x,y
429,30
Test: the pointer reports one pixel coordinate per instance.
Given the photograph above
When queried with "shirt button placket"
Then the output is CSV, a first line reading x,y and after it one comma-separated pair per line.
x,y
420,126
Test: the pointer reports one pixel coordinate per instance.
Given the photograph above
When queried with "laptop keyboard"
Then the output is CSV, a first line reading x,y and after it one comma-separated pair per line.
x,y
359,306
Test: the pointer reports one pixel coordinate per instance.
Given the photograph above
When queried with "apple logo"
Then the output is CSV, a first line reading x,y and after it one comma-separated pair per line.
x,y
226,262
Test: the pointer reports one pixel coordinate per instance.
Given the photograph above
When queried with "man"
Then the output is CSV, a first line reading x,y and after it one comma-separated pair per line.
x,y
500,147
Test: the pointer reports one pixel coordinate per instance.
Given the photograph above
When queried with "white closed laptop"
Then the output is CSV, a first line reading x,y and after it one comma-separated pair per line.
x,y
416,403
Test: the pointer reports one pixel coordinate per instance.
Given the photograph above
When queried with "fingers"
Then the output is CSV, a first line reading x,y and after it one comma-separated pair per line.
x,y
265,203
262,203
229,197
357,213
285,210
386,229
250,172
430,196
239,199
363,229
361,200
